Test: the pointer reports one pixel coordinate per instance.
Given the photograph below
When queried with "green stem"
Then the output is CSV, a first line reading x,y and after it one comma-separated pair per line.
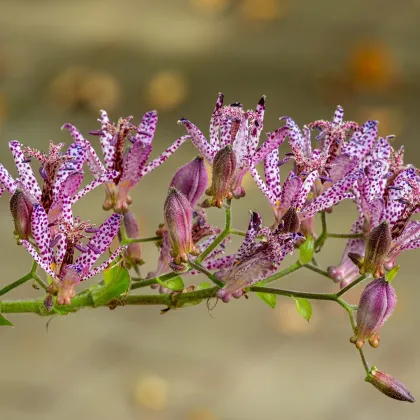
x,y
319,243
317,270
345,235
197,266
294,293
154,280
237,232
351,285
225,232
283,273
15,284
140,240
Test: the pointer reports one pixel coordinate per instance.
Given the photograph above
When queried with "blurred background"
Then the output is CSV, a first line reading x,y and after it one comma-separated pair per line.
x,y
61,61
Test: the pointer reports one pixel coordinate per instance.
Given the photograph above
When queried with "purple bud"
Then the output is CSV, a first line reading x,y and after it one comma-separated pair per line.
x,y
133,252
291,223
21,207
378,245
49,302
224,166
178,221
389,386
191,180
376,305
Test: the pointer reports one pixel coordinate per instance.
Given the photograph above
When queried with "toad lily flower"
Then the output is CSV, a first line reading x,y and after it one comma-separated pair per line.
x,y
255,259
56,254
131,165
232,125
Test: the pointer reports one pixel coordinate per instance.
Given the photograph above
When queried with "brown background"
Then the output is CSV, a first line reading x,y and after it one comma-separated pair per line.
x,y
61,61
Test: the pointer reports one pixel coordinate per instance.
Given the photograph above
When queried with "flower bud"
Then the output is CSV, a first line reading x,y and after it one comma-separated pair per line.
x,y
378,245
224,166
21,207
290,221
132,254
191,180
178,221
376,305
388,385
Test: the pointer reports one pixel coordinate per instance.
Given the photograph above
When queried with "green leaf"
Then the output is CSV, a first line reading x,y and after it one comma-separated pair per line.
x,y
304,307
306,251
176,284
117,282
204,285
392,273
268,298
5,322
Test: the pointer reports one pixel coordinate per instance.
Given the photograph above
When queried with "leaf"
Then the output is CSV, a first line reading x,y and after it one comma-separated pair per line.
x,y
5,322
392,273
268,298
176,284
204,285
306,251
304,307
117,282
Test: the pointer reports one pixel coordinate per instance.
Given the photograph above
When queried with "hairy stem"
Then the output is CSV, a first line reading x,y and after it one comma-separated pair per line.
x,y
345,235
317,270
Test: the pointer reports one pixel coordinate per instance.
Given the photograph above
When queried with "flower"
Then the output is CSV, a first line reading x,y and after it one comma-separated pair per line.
x,y
376,305
255,259
232,125
56,254
132,255
388,385
178,222
21,206
131,165
191,180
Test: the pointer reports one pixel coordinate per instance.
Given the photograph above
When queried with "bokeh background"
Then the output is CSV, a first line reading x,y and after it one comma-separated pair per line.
x,y
61,61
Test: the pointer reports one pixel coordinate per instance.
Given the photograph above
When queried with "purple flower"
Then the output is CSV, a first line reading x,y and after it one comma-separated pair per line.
x,y
21,207
388,385
130,165
232,125
191,180
255,259
132,255
178,222
56,254
376,305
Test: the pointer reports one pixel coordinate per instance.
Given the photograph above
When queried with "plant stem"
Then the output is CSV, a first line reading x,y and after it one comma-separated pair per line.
x,y
15,284
351,285
237,232
294,293
319,243
225,232
197,266
283,273
140,240
163,277
317,270
345,235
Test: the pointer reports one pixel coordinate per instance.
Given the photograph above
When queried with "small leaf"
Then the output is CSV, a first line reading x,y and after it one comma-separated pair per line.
x,y
392,273
176,284
117,282
306,251
268,298
304,307
5,322
204,285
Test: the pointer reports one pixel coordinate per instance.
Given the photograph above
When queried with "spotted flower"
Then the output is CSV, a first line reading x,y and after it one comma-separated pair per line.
x,y
232,125
255,259
56,254
130,164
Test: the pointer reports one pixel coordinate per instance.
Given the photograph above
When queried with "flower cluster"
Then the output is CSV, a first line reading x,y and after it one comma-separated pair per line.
x,y
343,161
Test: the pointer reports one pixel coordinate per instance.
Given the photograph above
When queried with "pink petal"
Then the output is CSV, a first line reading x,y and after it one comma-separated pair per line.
x,y
147,128
274,140
7,180
41,233
107,176
105,264
272,174
105,140
42,262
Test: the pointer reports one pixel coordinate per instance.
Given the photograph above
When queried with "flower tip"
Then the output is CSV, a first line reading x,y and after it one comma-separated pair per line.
x,y
261,102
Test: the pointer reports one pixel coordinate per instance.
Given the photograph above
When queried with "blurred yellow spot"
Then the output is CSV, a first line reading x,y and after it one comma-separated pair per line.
x,y
79,86
167,89
290,322
152,392
201,414
210,6
371,65
263,10
391,118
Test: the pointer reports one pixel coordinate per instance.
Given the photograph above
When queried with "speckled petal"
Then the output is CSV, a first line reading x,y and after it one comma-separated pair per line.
x,y
105,264
300,199
101,241
26,174
272,173
106,177
261,185
42,262
105,140
274,140
41,233
6,180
